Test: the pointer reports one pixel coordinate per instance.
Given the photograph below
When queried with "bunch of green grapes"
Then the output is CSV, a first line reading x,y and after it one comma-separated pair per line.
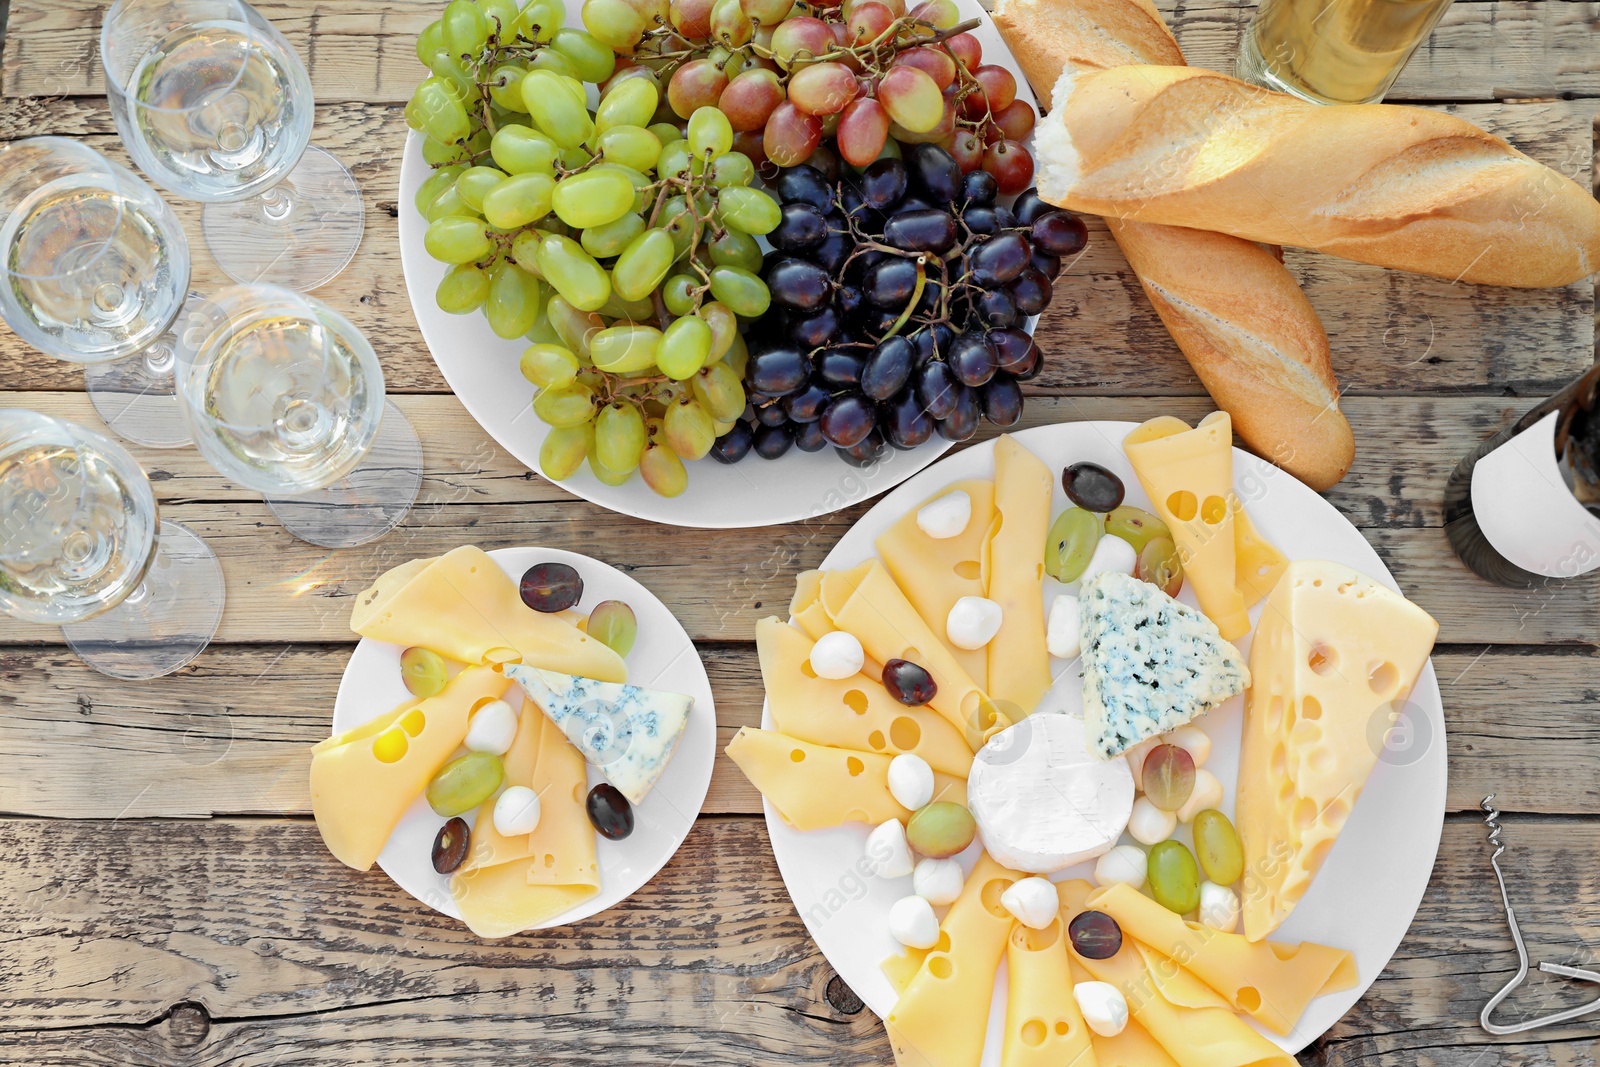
x,y
623,247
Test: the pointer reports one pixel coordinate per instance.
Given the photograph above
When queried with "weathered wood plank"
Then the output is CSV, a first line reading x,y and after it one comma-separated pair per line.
x,y
230,735
157,943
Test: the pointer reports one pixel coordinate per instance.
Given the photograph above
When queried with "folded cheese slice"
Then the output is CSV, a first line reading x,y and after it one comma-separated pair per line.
x,y
806,605
1013,573
856,713
1044,1027
1333,660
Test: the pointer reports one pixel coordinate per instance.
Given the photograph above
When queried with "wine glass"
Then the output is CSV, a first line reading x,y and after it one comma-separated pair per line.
x,y
84,548
94,268
284,395
214,105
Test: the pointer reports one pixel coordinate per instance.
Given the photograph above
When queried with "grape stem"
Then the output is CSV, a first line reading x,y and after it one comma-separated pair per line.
x,y
916,297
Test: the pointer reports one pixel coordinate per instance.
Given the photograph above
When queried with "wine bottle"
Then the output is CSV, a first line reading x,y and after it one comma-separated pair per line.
x,y
1523,509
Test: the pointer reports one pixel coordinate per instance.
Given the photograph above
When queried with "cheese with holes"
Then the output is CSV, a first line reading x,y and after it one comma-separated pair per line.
x,y
1150,664
1257,563
1333,659
1013,568
363,780
815,787
941,1016
936,572
1044,1027
806,605
627,731
857,713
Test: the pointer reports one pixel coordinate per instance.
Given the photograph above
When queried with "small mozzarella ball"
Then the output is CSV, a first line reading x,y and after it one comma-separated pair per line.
x,y
1207,794
494,727
1123,865
1192,740
1111,553
1063,633
1148,824
1219,907
973,621
910,781
888,852
938,881
912,923
1135,757
837,655
516,813
946,516
1104,1007
1033,902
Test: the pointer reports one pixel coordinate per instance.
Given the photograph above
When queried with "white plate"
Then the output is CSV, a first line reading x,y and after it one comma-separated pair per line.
x,y
662,658
1368,889
482,371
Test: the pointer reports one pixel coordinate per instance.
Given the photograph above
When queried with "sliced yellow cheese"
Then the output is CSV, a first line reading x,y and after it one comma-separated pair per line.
x,y
362,781
1333,660
856,712
1134,1047
815,787
940,1018
1179,987
1257,563
806,606
1044,1027
1272,983
463,606
498,901
900,969
935,572
489,846
1019,665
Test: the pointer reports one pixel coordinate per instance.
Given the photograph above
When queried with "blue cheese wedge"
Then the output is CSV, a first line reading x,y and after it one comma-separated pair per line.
x,y
1150,664
628,732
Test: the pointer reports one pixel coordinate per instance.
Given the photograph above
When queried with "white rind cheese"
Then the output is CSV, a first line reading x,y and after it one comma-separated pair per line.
x,y
1150,664
1042,802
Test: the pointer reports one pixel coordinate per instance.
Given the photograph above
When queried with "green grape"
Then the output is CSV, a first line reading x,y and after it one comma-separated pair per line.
x,y
438,153
1216,846
541,19
502,18
443,117
430,42
628,103
614,625
631,310
525,249
680,225
730,25
732,168
475,182
593,198
574,327
565,405
685,348
564,449
519,200
441,179
554,62
603,242
675,160
615,23
1174,881
505,87
547,365
463,289
465,28
624,349
520,149
688,430
457,239
563,119
1070,544
514,299
735,248
642,265
413,115
749,210
631,146
1135,526
663,471
448,203
724,328
743,291
464,783
710,133
594,60
424,672
449,67
738,355
619,436
605,475
679,295
573,272
665,132
719,390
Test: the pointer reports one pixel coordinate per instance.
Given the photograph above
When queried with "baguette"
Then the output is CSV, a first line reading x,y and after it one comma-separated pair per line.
x,y
1401,187
1234,310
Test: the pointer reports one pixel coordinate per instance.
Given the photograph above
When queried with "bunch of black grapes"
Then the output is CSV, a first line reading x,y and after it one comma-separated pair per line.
x,y
899,297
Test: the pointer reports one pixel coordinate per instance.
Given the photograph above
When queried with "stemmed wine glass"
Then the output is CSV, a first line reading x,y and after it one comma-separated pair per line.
x,y
94,269
83,548
214,105
284,395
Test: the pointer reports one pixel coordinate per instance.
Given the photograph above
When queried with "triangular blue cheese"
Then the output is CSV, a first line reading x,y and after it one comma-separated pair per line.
x,y
1150,664
627,731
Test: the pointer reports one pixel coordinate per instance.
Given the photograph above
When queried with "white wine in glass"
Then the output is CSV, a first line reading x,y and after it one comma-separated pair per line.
x,y
82,547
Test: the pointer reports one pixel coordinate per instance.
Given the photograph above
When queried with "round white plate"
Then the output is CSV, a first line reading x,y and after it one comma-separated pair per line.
x,y
1393,832
662,658
482,371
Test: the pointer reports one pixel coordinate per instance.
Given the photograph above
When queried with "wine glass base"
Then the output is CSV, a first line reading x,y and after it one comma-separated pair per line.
x,y
166,622
304,247
369,501
136,397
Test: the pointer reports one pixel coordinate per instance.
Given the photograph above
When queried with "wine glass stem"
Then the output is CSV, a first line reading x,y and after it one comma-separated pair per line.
x,y
158,359
276,204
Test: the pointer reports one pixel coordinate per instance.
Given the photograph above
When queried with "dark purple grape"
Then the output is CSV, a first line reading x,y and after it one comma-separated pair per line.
x,y
889,284
926,343
935,172
734,445
1005,217
1002,400
981,219
911,203
1022,362
1031,291
834,250
778,371
997,308
801,227
866,452
1046,264
451,845
799,285
999,259
878,321
904,422
1095,935
841,366
972,359
910,683
773,441
1028,206
883,183
962,423
826,160
849,299
814,331
771,413
807,404
609,812
854,206
927,230
938,389
932,293
805,185
772,259
979,187
551,587
943,336
888,368
1060,233
808,437
848,419
1011,345
1092,487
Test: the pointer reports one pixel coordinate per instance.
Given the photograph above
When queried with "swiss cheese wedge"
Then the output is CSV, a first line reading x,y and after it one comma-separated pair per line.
x,y
1333,659
1044,1027
1019,665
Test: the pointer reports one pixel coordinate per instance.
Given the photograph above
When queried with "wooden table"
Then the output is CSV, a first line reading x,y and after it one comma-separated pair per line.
x,y
164,896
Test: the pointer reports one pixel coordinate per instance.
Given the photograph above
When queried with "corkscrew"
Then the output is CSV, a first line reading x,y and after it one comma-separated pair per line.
x,y
1492,820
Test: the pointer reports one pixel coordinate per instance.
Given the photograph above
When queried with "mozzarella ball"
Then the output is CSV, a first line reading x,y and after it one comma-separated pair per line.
x,y
1135,757
1148,824
912,923
1111,553
888,852
1192,740
910,781
1123,865
837,655
1033,902
938,881
1207,794
1219,907
516,813
973,621
493,728
945,517
1063,632
1104,1007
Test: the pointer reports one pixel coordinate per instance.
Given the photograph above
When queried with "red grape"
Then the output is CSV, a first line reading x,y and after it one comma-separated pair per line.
x,y
730,25
967,50
1011,166
869,21
698,83
1015,122
749,99
996,89
791,135
800,39
692,18
940,132
911,97
863,128
628,68
938,65
749,142
822,88
766,12
939,13
967,148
